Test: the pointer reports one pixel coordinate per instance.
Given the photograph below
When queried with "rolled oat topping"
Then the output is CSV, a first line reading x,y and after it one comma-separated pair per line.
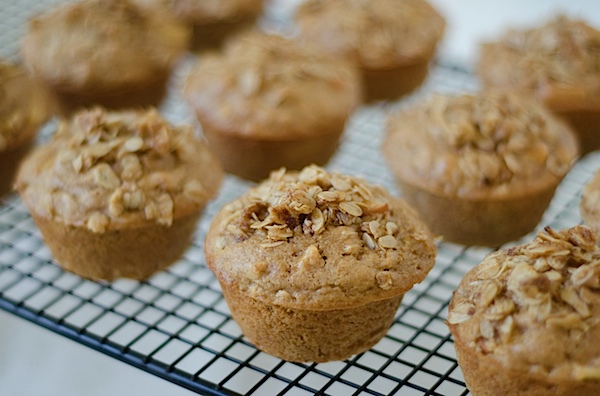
x,y
309,203
562,51
548,289
379,33
483,142
116,167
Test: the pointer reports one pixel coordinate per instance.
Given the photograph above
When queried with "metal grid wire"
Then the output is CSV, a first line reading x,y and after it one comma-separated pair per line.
x,y
177,325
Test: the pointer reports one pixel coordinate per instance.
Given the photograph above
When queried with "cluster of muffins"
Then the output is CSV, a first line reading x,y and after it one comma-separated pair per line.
x,y
314,264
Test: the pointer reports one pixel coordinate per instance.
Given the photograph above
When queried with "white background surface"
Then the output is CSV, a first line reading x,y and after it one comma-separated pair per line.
x,y
34,361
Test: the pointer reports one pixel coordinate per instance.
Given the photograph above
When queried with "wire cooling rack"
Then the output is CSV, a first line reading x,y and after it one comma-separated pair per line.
x,y
177,325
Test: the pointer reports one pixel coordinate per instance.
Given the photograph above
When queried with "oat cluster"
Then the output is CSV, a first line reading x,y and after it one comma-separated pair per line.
x,y
310,202
479,141
105,167
378,33
552,283
563,51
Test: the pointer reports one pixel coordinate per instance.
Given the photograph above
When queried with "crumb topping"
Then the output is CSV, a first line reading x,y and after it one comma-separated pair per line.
x,y
548,289
108,168
271,86
319,240
23,105
378,34
112,41
554,58
484,143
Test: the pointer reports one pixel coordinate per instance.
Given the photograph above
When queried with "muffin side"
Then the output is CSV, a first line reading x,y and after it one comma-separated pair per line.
x,y
525,320
480,169
113,188
308,246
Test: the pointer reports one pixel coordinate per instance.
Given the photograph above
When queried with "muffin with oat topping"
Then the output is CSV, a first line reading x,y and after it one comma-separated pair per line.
x,y
480,169
558,64
268,102
24,107
118,194
314,264
212,21
526,321
392,41
104,52
589,207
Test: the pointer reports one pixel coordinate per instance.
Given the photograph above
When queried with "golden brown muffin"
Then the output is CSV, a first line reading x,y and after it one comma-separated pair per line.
x,y
589,206
24,107
106,52
212,21
314,264
556,63
392,41
118,194
268,102
526,321
480,169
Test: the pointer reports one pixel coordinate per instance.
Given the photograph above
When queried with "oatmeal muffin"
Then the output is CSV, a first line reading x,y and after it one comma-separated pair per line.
x,y
314,264
211,21
118,194
392,41
268,102
557,64
107,52
24,107
526,321
480,169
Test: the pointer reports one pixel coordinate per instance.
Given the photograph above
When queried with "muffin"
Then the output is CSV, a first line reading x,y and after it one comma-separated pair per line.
x,y
313,265
106,52
24,107
526,321
268,102
392,41
557,64
211,21
480,169
118,194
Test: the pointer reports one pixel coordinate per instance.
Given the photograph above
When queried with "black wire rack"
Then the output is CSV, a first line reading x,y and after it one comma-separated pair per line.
x,y
177,325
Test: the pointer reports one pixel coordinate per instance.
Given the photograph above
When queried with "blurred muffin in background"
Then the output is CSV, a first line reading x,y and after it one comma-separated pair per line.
x,y
107,52
24,107
268,102
558,63
392,41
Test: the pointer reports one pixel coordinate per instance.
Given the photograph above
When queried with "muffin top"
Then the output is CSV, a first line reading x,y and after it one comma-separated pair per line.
x,y
378,34
111,170
535,308
319,241
269,87
24,106
558,62
102,43
210,11
479,146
